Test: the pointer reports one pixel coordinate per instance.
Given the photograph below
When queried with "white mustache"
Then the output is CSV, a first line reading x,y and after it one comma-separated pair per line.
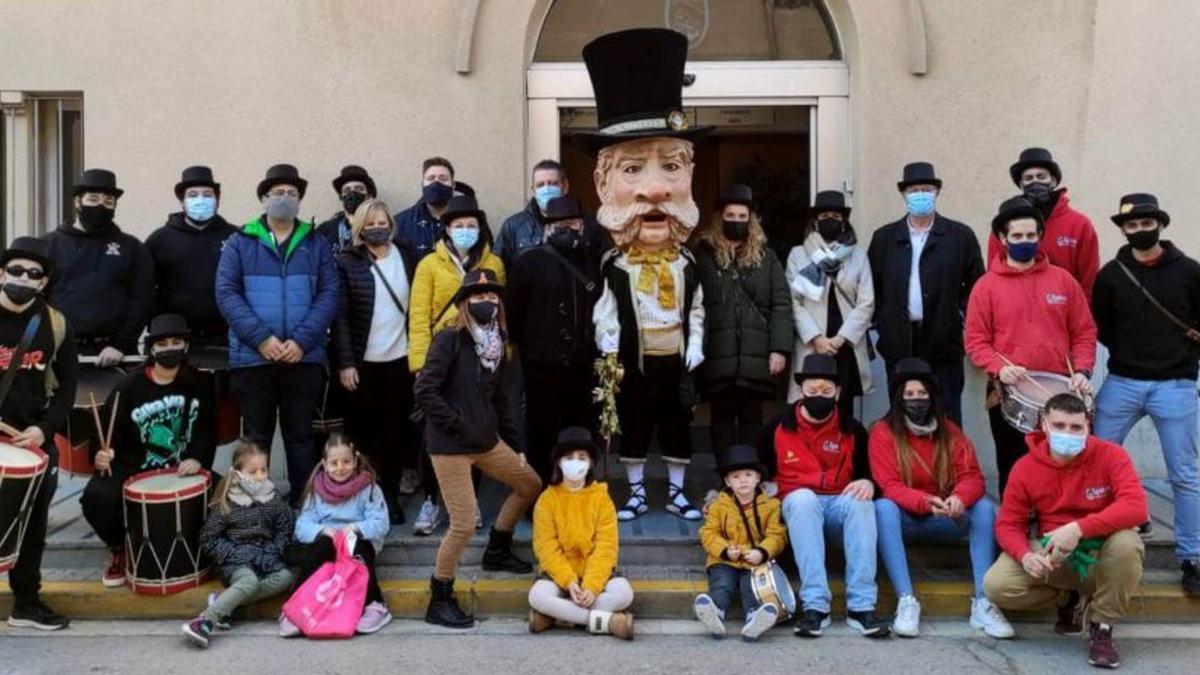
x,y
617,218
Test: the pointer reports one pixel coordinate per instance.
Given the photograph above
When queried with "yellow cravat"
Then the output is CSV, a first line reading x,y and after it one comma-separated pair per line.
x,y
656,264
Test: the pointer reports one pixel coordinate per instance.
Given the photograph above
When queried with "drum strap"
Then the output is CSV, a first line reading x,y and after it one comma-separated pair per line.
x,y
18,355
1191,333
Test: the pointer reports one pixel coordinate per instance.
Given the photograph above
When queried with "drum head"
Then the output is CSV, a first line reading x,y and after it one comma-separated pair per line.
x,y
1045,382
18,461
98,383
165,484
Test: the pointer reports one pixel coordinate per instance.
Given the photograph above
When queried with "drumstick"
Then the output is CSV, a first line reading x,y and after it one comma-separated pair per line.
x,y
9,429
112,423
99,430
1027,376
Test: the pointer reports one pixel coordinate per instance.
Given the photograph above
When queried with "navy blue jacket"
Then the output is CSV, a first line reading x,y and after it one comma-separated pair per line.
x,y
417,229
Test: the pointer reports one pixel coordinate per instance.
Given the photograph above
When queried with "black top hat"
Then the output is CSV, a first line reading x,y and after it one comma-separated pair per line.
x,y
572,439
463,205
481,280
196,176
829,200
165,326
637,78
281,174
739,457
736,194
919,173
97,180
31,248
913,368
1013,208
352,172
464,188
565,207
1034,157
817,367
1141,205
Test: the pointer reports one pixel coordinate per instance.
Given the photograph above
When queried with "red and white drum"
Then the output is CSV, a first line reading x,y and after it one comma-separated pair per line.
x,y
164,513
21,474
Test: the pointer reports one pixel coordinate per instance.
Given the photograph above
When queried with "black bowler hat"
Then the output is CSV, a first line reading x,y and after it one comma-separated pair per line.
x,y
817,367
351,172
97,180
463,188
913,368
460,206
739,457
829,200
477,281
637,78
281,174
1034,157
565,207
1141,205
30,248
165,326
919,173
196,176
572,439
736,194
1015,208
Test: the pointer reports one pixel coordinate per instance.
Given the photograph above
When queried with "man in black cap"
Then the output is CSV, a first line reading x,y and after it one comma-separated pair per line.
x,y
165,417
103,279
1147,308
277,286
38,340
527,228
419,226
551,291
1070,241
924,266
186,251
353,187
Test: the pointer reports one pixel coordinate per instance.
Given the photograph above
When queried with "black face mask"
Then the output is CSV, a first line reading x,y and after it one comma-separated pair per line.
x,y
170,358
563,239
376,236
96,218
483,312
819,407
1144,240
918,410
830,228
352,200
19,293
735,230
1038,193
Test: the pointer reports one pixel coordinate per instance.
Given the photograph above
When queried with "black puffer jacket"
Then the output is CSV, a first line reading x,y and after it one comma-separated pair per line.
x,y
352,325
185,273
252,536
468,408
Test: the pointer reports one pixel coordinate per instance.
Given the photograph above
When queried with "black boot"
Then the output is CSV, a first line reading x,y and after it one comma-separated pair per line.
x,y
499,556
443,607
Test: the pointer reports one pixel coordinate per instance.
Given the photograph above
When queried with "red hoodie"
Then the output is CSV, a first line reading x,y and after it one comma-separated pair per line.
x,y
1034,318
819,457
885,469
1070,242
1100,490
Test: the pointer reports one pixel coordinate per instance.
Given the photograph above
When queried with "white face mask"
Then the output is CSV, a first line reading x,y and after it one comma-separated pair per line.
x,y
574,470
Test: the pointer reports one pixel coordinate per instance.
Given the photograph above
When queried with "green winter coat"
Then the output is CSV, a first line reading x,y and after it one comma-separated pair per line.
x,y
747,317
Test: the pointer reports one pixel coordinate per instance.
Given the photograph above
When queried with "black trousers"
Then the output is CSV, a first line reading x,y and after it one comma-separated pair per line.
x,y
103,505
652,400
308,558
950,378
378,419
556,397
25,578
291,392
1010,444
736,417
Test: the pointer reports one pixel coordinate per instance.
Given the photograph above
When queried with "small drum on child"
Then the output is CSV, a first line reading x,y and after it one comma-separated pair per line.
x,y
1022,403
74,447
164,513
771,587
21,474
214,362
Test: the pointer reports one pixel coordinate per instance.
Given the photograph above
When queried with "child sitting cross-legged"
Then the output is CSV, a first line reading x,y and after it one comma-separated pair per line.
x,y
743,529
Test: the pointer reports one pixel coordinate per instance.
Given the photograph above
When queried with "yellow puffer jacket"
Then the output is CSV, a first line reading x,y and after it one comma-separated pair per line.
x,y
725,526
437,280
575,535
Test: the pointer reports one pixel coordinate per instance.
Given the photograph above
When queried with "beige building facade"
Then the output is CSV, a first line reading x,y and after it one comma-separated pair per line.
x,y
808,95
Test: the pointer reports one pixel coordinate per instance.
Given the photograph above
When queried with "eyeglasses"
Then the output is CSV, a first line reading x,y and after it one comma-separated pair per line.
x,y
31,273
284,193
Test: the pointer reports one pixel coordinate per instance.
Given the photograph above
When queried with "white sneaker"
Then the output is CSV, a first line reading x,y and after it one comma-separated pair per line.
x,y
760,621
989,618
908,617
427,519
708,614
409,482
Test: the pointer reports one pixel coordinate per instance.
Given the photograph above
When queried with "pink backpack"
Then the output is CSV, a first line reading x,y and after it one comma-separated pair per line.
x,y
329,603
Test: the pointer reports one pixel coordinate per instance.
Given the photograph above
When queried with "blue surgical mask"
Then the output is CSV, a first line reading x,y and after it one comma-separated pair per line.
x,y
1022,252
436,194
201,208
545,193
1066,445
920,203
464,238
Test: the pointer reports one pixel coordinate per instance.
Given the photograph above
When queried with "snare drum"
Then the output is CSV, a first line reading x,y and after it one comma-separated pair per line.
x,y
74,447
770,585
21,474
214,363
1022,403
164,513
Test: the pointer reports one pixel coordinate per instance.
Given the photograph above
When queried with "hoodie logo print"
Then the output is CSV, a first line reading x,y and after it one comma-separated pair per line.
x,y
1056,299
831,446
114,248
1064,241
1094,493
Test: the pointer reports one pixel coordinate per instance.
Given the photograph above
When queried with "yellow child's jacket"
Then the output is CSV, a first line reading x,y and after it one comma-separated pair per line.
x,y
575,535
728,525
436,281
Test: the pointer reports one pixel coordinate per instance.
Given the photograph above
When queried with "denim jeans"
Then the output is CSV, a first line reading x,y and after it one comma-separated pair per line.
x,y
726,580
1172,405
810,519
290,391
897,526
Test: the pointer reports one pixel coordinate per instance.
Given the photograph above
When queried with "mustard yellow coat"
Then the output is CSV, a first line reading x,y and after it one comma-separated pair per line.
x,y
724,527
575,535
436,281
